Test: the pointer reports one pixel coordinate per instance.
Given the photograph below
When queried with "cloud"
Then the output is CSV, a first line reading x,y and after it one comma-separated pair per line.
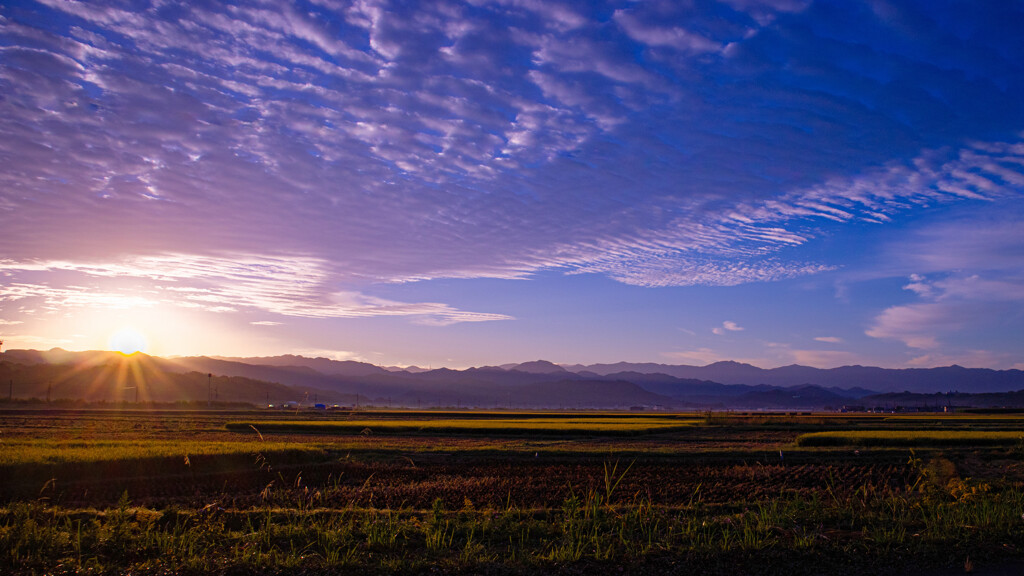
x,y
295,286
340,355
731,326
967,277
967,359
668,36
727,326
957,305
22,341
406,142
919,286
266,323
915,325
829,339
700,356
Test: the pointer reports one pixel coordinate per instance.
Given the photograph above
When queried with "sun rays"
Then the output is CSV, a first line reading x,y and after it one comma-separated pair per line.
x,y
120,378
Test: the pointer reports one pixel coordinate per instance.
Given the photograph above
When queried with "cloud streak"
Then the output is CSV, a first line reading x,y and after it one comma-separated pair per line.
x,y
296,287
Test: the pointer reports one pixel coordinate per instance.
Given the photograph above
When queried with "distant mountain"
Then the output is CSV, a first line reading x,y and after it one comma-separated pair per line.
x,y
287,375
940,400
103,377
683,388
864,378
571,394
55,356
410,369
98,375
796,398
321,365
539,367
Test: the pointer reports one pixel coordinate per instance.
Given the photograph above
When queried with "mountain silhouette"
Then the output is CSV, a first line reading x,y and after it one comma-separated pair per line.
x,y
111,376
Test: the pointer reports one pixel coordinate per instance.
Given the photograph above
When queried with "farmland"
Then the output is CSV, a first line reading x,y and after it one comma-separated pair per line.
x,y
507,493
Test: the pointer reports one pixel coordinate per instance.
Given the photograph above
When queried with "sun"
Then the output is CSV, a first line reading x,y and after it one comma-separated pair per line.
x,y
127,341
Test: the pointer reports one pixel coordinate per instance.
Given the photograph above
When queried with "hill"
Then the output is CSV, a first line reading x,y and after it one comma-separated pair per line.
x,y
111,376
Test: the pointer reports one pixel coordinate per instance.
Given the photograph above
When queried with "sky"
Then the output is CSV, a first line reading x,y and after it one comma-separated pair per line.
x,y
475,183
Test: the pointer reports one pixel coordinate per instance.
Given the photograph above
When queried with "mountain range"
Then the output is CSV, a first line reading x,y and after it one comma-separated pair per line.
x,y
111,376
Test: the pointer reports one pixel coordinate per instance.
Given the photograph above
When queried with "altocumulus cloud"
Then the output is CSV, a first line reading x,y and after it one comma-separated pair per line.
x,y
388,142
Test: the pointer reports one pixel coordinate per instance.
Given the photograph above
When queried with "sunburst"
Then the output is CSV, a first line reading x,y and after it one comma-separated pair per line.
x,y
128,341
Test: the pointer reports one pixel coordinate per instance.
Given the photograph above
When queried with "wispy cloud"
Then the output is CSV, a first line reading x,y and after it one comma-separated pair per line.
x,y
700,356
330,354
294,286
829,339
967,359
969,285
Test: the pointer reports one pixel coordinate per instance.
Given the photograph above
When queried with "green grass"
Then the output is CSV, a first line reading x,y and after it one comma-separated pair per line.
x,y
910,438
497,426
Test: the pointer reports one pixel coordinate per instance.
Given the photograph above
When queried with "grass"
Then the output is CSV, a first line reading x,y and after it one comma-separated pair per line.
x,y
488,426
589,526
911,438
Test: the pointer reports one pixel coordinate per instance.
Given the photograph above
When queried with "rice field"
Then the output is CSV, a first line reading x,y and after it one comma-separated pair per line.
x,y
481,426
457,493
912,438
57,452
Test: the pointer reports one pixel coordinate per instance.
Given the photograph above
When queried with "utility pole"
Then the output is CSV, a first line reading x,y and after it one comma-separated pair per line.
x,y
10,390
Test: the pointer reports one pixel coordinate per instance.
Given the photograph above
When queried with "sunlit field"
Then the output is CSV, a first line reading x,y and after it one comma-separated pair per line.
x,y
919,438
476,426
111,492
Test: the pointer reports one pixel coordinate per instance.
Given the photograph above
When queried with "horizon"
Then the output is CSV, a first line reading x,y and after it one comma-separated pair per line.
x,y
456,184
503,365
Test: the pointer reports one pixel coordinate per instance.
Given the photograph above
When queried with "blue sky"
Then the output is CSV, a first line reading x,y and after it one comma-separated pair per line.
x,y
470,183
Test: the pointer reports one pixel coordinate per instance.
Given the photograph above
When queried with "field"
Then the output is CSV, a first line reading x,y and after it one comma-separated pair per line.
x,y
111,492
